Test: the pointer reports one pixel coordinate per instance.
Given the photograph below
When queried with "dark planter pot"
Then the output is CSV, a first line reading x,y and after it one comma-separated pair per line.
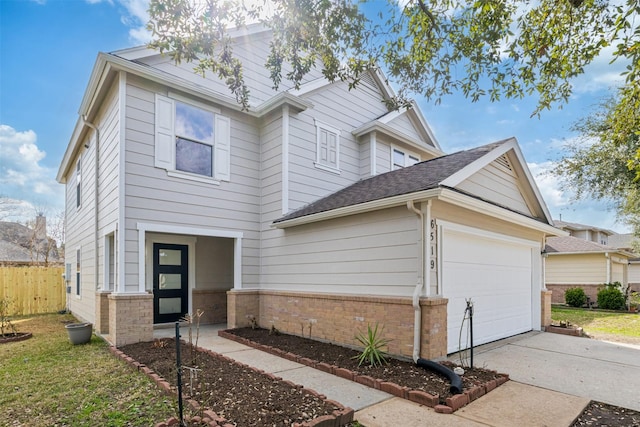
x,y
79,333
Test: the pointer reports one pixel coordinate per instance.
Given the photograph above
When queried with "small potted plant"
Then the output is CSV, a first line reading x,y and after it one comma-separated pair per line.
x,y
79,333
634,302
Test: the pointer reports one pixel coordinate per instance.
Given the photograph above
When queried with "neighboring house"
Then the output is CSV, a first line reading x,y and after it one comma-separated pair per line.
x,y
585,232
20,244
316,211
574,262
624,242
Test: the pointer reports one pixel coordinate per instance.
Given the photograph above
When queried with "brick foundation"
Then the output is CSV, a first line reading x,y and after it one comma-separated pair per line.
x,y
545,304
212,303
559,290
102,312
338,318
130,318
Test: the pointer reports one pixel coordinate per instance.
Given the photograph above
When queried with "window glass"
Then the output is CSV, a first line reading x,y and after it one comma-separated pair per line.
x,y
170,257
169,305
412,160
398,159
194,123
170,281
194,157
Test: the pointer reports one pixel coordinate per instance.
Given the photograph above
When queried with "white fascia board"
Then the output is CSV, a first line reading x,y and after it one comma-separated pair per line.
x,y
383,83
477,165
61,177
532,182
510,145
192,231
376,126
425,124
486,208
374,205
392,115
276,102
310,86
135,53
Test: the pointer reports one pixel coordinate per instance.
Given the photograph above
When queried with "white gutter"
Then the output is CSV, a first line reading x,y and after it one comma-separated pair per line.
x,y
95,198
608,259
417,313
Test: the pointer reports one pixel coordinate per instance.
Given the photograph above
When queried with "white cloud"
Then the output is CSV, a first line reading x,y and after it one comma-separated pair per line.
x,y
562,205
136,18
22,176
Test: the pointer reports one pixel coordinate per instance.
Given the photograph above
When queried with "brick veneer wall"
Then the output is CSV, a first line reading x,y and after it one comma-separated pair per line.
x,y
130,318
212,303
545,304
559,290
338,318
102,312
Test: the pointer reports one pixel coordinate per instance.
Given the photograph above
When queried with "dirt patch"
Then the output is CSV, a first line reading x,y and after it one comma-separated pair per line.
x,y
599,414
235,392
401,372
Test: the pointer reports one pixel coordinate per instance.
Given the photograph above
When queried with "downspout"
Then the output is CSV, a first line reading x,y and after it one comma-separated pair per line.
x,y
95,199
417,316
608,258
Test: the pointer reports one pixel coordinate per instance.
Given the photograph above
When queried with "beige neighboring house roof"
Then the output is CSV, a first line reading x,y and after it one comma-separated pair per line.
x,y
574,245
579,227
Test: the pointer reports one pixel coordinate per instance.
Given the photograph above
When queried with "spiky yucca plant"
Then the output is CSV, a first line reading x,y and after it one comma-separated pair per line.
x,y
373,344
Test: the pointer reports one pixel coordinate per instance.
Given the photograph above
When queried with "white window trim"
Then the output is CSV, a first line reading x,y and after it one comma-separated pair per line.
x,y
406,153
78,274
323,126
79,182
169,164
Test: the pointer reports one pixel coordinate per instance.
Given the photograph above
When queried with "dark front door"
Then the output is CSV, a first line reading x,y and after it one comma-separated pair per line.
x,y
170,282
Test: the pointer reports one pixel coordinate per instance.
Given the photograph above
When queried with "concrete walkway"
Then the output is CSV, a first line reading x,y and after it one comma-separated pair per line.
x,y
553,378
596,370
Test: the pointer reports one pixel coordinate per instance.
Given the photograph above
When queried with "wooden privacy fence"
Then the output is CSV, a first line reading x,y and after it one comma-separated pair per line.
x,y
33,289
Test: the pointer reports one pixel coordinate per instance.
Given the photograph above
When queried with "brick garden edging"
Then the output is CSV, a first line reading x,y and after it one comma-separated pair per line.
x,y
338,418
453,403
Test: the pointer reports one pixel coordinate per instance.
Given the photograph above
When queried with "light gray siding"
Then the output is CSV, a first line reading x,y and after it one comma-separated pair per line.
x,y
338,107
403,124
374,254
497,184
252,51
151,196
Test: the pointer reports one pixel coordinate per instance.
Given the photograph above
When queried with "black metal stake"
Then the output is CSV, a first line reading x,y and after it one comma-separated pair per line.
x,y
471,331
179,370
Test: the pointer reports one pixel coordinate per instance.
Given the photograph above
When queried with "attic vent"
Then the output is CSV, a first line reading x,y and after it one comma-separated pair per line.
x,y
504,162
368,80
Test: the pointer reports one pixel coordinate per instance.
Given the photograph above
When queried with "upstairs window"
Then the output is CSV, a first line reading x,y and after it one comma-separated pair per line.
x,y
79,182
192,140
401,159
327,148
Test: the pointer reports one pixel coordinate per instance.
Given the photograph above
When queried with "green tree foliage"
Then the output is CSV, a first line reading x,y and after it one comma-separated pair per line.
x,y
495,48
602,163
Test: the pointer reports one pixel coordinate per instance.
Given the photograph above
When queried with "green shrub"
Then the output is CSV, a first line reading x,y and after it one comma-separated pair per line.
x,y
575,297
611,297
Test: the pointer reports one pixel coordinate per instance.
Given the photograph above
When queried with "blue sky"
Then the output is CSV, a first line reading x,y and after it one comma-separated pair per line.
x,y
48,48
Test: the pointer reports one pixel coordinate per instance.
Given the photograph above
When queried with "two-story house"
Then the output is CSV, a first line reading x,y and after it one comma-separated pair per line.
x,y
317,210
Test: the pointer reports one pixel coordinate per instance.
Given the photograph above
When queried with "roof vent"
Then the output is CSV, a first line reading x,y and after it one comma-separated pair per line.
x,y
368,80
504,162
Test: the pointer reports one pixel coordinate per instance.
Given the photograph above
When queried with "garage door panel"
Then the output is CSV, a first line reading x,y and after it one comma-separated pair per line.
x,y
496,275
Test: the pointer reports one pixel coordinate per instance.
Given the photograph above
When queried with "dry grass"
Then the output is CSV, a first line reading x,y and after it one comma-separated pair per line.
x,y
46,381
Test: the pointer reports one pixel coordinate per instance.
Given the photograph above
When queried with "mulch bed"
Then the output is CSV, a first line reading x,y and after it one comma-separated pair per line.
x,y
15,336
398,377
231,393
599,414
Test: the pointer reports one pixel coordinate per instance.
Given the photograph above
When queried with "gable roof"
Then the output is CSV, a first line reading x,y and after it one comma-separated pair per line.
x,y
575,245
421,181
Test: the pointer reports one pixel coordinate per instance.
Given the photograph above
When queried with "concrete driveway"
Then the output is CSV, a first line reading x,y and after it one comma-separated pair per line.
x,y
596,370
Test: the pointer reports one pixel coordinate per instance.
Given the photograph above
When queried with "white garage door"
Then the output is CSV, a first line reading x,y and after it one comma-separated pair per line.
x,y
496,273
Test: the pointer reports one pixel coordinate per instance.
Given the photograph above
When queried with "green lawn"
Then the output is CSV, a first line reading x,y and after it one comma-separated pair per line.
x,y
601,324
46,381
